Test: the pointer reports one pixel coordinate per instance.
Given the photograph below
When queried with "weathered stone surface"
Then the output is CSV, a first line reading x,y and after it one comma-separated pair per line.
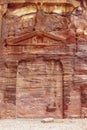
x,y
40,89
43,59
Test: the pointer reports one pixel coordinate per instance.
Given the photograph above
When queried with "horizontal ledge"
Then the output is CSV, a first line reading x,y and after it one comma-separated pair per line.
x,y
15,40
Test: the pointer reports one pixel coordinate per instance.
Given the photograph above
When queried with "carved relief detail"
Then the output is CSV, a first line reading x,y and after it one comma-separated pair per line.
x,y
39,21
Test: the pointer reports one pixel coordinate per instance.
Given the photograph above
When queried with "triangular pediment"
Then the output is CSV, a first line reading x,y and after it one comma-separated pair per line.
x,y
16,40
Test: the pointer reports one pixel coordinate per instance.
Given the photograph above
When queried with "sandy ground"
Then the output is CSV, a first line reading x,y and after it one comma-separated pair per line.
x,y
60,124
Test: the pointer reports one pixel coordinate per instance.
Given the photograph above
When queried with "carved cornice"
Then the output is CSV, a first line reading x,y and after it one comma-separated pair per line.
x,y
14,41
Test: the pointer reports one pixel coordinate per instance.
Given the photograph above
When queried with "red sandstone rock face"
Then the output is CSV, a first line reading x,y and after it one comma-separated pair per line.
x,y
39,87
43,61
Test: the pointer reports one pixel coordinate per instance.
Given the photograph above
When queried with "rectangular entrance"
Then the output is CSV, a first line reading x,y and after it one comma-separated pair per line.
x,y
39,89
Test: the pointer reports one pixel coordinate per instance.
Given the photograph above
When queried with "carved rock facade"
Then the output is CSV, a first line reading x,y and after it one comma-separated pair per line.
x,y
43,60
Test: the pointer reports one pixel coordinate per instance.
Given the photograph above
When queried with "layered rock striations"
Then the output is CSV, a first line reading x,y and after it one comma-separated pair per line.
x,y
43,59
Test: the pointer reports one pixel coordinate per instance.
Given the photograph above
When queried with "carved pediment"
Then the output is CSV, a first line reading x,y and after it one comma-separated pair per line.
x,y
41,23
35,17
17,40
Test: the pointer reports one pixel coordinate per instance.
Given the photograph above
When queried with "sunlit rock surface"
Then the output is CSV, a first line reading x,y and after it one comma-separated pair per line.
x,y
43,59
